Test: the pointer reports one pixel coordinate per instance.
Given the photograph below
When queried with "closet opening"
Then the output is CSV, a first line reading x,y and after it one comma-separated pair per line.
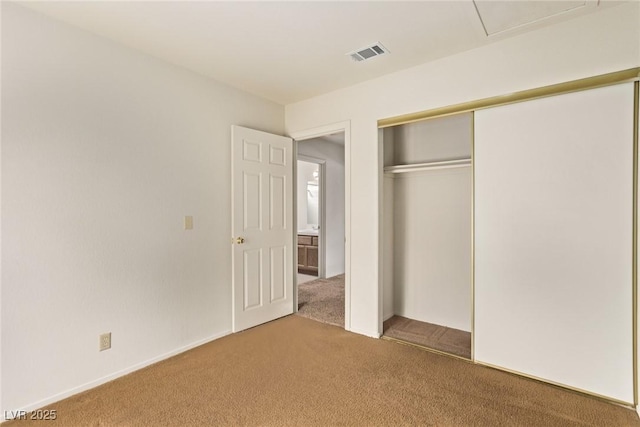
x,y
427,228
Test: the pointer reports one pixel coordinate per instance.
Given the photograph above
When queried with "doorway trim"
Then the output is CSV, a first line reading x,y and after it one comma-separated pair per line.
x,y
322,209
325,130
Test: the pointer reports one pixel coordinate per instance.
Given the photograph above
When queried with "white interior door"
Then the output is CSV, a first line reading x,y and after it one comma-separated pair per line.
x,y
262,226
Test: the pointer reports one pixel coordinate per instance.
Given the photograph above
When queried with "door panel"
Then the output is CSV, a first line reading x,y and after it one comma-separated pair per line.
x,y
553,239
252,278
277,156
278,273
278,202
252,206
262,226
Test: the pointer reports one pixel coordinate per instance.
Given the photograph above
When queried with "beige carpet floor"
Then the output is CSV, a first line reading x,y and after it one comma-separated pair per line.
x,y
298,372
303,278
449,340
323,300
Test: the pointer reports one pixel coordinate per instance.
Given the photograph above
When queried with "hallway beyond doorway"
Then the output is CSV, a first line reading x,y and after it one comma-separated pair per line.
x,y
323,300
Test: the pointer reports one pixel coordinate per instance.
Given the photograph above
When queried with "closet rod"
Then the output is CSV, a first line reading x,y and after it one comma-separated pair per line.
x,y
446,164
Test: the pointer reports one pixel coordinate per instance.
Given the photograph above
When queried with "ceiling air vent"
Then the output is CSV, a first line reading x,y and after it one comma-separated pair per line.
x,y
368,52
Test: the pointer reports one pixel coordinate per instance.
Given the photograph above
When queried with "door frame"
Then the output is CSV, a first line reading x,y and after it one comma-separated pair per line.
x,y
316,132
322,209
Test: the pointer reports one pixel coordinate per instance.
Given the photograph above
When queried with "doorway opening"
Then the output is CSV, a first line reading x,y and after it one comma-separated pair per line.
x,y
321,221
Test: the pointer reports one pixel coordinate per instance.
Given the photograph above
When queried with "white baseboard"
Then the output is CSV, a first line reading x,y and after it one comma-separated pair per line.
x,y
370,334
92,384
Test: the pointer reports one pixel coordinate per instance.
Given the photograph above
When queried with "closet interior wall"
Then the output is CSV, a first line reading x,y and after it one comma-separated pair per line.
x,y
427,221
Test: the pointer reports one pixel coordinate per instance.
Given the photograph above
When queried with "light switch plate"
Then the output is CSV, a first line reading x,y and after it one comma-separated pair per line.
x,y
188,223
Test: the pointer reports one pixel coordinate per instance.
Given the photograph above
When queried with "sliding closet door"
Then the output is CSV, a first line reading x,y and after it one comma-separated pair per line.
x,y
553,239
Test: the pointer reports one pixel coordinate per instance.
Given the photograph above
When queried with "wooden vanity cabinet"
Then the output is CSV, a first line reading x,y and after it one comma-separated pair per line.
x,y
308,254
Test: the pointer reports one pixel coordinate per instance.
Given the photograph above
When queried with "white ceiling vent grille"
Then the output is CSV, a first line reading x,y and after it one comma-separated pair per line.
x,y
368,52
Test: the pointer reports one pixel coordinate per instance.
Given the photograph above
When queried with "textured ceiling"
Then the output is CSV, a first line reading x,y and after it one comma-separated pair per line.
x,y
290,51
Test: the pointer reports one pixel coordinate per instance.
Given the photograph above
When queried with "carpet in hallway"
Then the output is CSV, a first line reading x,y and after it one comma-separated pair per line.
x,y
323,300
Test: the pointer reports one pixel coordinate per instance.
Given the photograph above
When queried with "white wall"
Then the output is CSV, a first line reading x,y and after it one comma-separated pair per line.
x,y
334,193
304,175
594,44
104,151
386,248
388,254
445,138
432,247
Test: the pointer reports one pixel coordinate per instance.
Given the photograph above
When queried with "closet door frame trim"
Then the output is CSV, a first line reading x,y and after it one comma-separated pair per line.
x,y
629,75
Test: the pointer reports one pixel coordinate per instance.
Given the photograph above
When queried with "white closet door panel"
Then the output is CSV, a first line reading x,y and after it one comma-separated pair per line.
x,y
553,239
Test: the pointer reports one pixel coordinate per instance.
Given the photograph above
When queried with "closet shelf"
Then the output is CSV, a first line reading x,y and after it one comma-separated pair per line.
x,y
445,164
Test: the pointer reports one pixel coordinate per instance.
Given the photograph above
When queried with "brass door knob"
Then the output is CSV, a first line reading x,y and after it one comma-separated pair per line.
x,y
240,240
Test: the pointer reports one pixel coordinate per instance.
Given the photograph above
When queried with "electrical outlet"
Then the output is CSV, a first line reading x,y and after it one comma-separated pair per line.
x,y
105,341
